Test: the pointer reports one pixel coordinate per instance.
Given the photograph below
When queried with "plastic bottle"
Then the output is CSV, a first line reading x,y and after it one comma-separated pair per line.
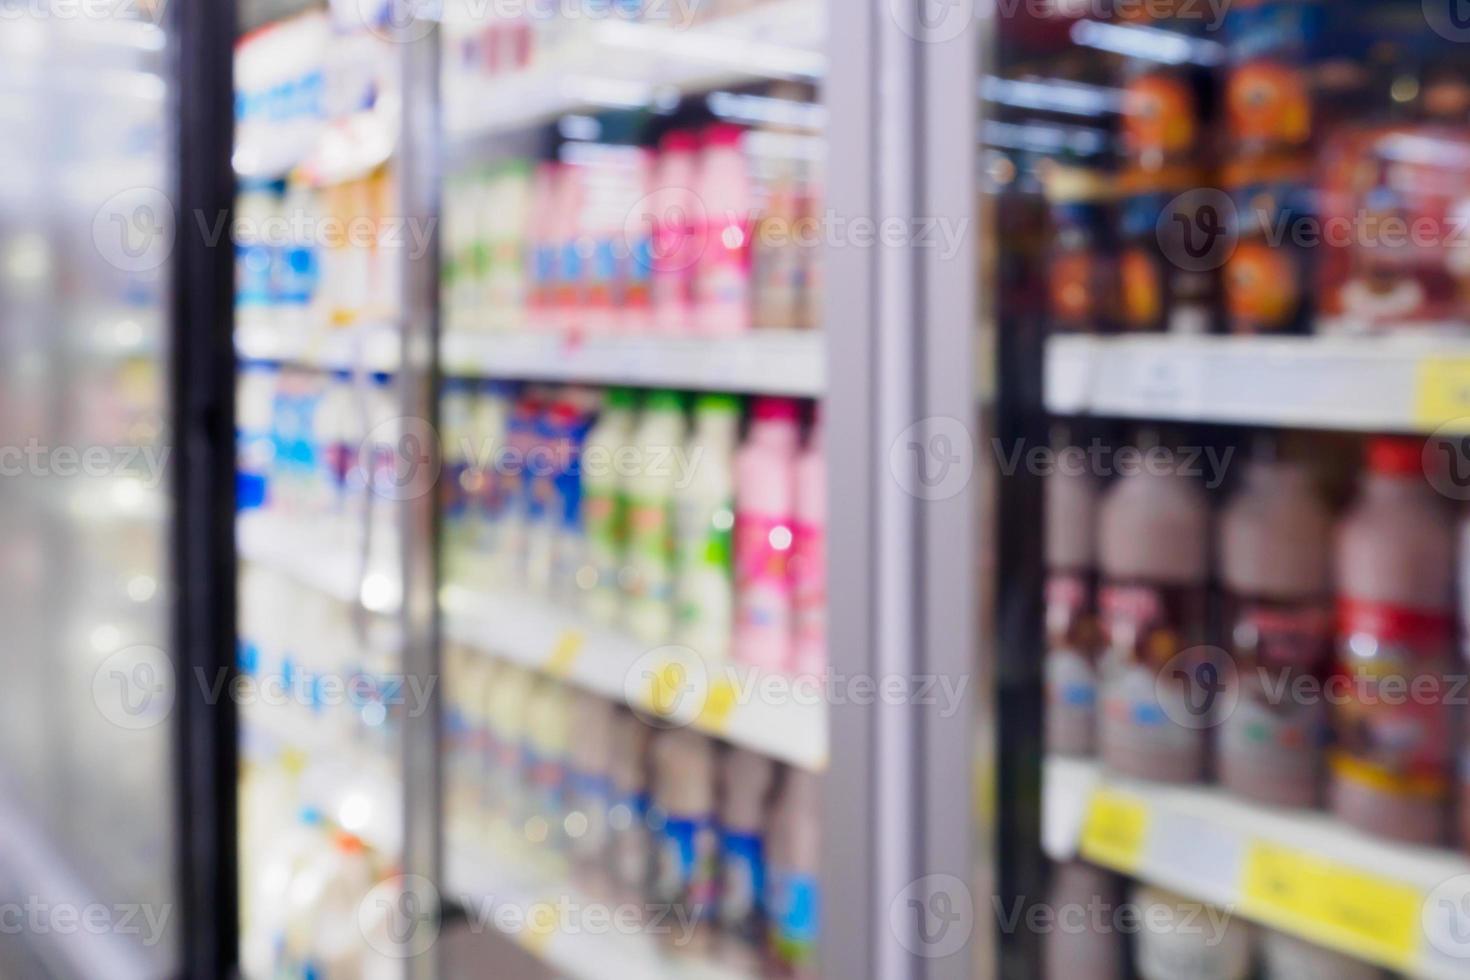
x,y
687,846
489,498
456,432
339,431
627,818
1183,940
267,888
676,208
722,292
704,518
322,937
1286,957
649,491
1071,609
1274,547
793,869
542,246
1153,553
1395,597
572,420
1070,952
508,701
391,472
590,786
765,503
1463,758
745,790
603,517
505,229
544,759
809,558
516,479
572,244
255,393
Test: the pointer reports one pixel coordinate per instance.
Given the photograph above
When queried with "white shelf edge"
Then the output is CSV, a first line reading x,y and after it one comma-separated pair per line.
x,y
1358,384
371,346
534,633
476,876
1197,838
766,362
298,550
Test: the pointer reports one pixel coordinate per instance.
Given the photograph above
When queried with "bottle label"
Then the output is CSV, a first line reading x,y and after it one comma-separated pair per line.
x,y
651,547
742,883
688,860
809,576
724,269
795,908
1393,733
589,794
629,821
762,550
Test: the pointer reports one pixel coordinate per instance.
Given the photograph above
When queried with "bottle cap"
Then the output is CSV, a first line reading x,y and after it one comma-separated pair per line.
x,y
717,404
776,410
664,400
723,134
1395,456
679,141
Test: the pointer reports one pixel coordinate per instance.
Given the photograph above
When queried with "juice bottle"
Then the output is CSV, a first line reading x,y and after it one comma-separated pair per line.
x,y
649,491
704,517
794,896
687,849
722,291
809,558
627,818
1071,612
675,210
1274,537
745,790
1395,611
765,502
1153,552
1086,953
603,517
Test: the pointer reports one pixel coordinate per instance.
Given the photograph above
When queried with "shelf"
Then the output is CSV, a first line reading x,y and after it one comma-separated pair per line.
x,y
620,64
730,702
1361,384
1403,907
767,362
371,347
318,557
588,948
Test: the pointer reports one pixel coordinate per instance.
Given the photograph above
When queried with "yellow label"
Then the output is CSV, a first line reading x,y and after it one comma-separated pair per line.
x,y
715,716
564,655
1442,393
1370,917
1114,829
540,927
667,688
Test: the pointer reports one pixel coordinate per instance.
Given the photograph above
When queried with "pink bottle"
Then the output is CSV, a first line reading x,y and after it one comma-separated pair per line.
x,y
765,501
1087,952
809,558
543,260
722,290
1071,612
1395,613
1153,551
677,217
572,247
1274,550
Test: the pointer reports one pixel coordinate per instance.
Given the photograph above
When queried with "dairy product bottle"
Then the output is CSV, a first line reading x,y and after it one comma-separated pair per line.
x,y
745,789
569,235
504,226
521,441
687,847
677,217
339,433
590,786
1463,766
544,758
266,888
636,265
254,394
704,519
322,937
1394,562
765,502
541,245
649,491
809,558
627,819
1070,952
507,726
1071,609
489,501
1183,940
391,471
722,291
793,874
603,516
456,428
571,423
481,675
1286,957
1274,566
1152,550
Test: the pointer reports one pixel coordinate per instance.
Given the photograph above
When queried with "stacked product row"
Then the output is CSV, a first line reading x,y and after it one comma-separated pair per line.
x,y
1326,672
709,229
664,820
1263,185
1096,925
646,515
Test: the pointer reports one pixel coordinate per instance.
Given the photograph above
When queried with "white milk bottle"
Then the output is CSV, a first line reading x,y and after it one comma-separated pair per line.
x,y
650,499
603,517
704,516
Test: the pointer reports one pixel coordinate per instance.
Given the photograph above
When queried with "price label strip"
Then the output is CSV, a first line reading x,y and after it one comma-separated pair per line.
x,y
1371,917
564,655
1442,393
1114,830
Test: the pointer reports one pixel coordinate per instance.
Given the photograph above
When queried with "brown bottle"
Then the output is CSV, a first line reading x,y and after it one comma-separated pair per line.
x,y
1074,947
1274,546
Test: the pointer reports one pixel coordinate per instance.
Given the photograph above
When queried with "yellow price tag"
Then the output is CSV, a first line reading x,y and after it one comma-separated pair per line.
x,y
1442,393
540,927
718,706
1371,917
666,689
564,655
1114,830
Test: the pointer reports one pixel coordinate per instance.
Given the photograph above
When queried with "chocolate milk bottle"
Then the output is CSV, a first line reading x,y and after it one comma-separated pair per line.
x,y
627,817
1071,616
1090,952
745,789
687,848
1153,534
1395,612
1274,546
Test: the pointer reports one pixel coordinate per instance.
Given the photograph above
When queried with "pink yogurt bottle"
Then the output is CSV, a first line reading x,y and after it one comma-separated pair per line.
x,y
677,217
722,292
809,558
765,501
